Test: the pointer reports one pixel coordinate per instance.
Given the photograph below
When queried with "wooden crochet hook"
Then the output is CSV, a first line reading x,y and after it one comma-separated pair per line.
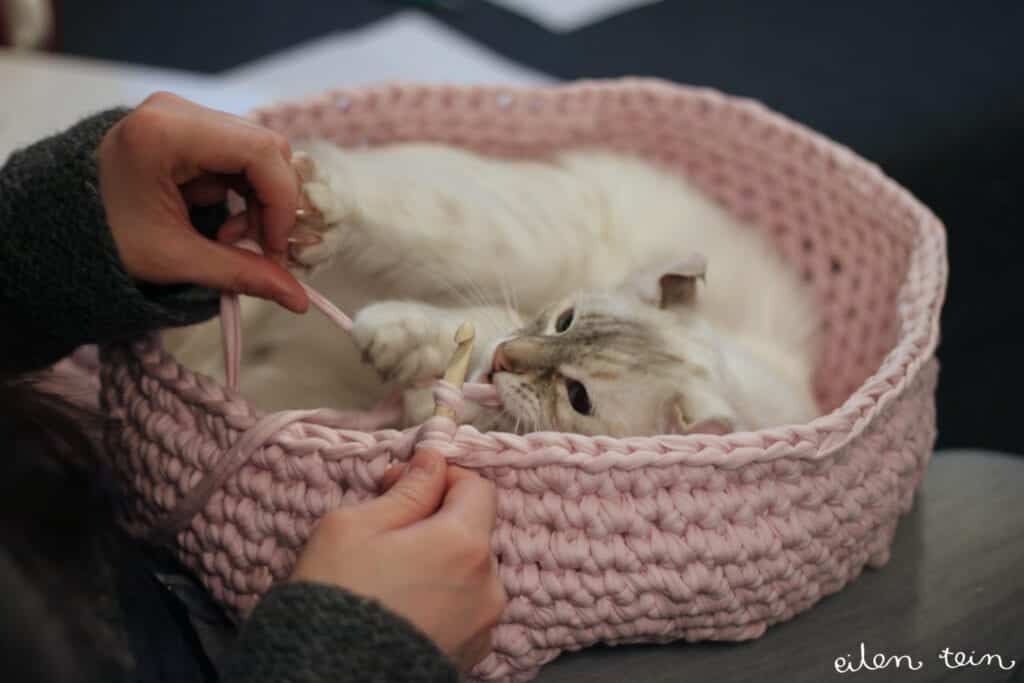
x,y
459,364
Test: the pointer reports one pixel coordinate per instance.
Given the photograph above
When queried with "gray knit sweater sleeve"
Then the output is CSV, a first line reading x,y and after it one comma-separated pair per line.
x,y
300,631
62,283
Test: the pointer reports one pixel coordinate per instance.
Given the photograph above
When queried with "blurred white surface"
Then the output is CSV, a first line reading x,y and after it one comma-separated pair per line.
x,y
562,16
42,94
405,47
45,94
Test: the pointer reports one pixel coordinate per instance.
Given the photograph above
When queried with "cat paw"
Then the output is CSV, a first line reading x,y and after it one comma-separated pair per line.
x,y
417,406
401,341
317,233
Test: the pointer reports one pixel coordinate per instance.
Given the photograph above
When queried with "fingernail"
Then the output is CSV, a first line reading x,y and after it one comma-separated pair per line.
x,y
294,302
423,463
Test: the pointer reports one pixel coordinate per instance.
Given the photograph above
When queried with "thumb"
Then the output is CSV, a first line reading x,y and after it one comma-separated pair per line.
x,y
220,266
415,496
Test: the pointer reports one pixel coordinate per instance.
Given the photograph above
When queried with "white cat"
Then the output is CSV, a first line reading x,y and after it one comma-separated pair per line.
x,y
602,255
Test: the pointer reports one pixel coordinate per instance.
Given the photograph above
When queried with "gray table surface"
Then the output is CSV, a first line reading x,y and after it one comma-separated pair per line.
x,y
955,580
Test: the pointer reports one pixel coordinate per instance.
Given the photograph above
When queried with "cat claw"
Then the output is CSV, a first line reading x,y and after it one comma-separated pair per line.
x,y
313,242
304,166
307,239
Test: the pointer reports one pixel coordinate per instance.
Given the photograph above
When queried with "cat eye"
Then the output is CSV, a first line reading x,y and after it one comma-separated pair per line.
x,y
578,397
564,321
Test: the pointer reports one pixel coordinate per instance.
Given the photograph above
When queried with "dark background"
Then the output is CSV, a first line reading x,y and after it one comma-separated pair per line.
x,y
931,91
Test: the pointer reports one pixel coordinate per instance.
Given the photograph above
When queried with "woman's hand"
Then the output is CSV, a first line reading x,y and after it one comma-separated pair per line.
x,y
170,154
423,550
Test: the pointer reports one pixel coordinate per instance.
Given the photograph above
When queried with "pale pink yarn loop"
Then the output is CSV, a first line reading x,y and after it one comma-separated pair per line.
x,y
448,395
643,539
253,438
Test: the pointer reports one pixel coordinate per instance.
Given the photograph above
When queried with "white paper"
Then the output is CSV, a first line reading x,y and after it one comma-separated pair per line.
x,y
408,46
43,94
562,16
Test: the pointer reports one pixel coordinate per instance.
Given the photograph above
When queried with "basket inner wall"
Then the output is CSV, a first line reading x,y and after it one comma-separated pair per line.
x,y
850,244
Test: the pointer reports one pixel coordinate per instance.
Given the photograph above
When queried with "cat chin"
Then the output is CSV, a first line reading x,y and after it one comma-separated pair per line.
x,y
515,410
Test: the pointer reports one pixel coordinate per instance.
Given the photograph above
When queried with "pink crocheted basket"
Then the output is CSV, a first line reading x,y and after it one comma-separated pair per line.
x,y
599,539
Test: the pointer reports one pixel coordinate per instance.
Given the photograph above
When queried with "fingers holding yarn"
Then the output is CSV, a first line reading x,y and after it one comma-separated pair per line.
x,y
413,494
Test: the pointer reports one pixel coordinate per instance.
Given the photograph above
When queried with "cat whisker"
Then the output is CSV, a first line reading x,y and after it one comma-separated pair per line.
x,y
472,293
507,292
473,296
468,293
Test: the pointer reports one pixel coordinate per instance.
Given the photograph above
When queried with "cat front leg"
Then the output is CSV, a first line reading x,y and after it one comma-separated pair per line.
x,y
410,341
407,342
403,341
436,224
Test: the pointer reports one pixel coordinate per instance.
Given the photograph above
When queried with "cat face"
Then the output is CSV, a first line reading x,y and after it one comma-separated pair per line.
x,y
637,361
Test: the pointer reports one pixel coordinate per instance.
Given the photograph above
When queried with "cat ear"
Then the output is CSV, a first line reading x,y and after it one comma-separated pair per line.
x,y
671,286
678,285
677,421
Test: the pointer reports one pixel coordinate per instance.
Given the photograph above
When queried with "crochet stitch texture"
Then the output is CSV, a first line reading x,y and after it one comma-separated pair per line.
x,y
646,539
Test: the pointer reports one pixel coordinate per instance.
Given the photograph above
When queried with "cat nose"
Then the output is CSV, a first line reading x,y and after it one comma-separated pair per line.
x,y
500,362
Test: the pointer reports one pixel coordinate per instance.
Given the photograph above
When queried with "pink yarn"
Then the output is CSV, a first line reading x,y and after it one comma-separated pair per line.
x,y
647,539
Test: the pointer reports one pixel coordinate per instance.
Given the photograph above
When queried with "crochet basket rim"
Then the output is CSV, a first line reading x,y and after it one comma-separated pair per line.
x,y
819,438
